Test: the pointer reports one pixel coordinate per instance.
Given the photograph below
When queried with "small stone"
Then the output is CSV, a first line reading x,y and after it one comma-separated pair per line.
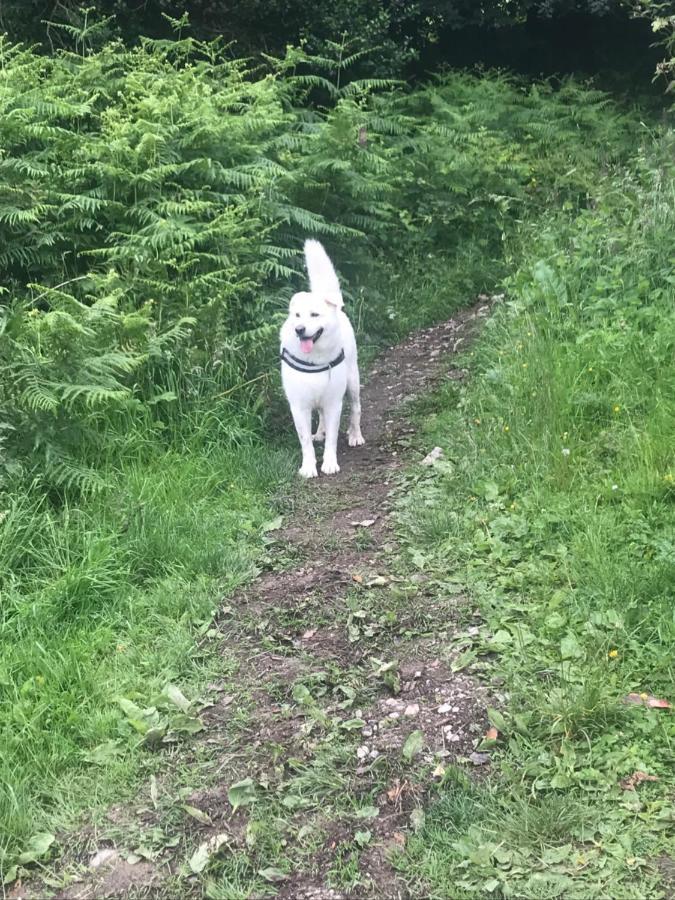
x,y
418,674
444,708
411,709
374,754
479,759
393,715
108,856
432,456
362,752
367,731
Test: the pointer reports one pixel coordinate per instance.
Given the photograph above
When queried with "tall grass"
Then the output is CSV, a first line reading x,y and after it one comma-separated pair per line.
x,y
558,510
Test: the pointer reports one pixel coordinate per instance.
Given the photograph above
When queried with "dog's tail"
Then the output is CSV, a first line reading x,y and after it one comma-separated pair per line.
x,y
323,279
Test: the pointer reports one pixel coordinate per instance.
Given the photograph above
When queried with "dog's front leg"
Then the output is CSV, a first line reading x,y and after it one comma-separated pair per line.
x,y
302,416
331,418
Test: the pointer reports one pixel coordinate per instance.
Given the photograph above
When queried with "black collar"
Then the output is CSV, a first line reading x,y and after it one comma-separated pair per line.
x,y
301,365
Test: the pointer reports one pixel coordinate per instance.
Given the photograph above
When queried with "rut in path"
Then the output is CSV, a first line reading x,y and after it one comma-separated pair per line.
x,y
290,623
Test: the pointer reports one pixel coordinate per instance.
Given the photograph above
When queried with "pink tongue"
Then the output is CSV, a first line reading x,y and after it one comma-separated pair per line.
x,y
306,345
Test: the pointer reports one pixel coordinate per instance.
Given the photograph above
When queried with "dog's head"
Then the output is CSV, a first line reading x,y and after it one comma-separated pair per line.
x,y
313,317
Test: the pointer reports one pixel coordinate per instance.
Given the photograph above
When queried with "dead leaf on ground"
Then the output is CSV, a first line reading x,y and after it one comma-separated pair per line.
x,y
491,734
395,791
398,838
365,523
628,784
358,579
309,634
377,581
647,700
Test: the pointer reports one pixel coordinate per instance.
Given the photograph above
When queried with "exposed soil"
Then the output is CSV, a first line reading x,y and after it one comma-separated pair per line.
x,y
303,619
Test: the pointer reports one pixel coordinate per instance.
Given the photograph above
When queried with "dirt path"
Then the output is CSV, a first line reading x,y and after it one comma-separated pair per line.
x,y
332,659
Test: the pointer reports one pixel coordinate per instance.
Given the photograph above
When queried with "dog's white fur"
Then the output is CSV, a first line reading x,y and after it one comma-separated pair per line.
x,y
321,308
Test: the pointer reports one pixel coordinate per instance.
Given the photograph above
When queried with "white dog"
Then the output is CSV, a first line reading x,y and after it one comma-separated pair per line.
x,y
319,363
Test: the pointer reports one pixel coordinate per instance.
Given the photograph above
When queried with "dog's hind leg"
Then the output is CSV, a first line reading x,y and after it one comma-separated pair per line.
x,y
331,418
302,416
354,436
320,434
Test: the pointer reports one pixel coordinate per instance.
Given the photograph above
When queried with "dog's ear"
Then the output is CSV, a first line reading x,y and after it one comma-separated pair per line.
x,y
334,301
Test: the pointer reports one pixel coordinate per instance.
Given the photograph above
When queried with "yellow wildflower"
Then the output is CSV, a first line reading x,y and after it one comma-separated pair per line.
x,y
613,654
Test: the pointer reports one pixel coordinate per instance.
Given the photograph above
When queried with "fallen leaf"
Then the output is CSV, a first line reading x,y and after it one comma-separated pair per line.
x,y
241,794
177,697
272,525
358,579
647,700
10,875
377,581
309,633
367,812
395,791
398,838
198,814
628,784
417,819
489,739
362,838
365,523
37,847
200,858
272,874
413,744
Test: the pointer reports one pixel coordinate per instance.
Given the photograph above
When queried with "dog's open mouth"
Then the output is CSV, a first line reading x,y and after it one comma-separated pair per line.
x,y
306,343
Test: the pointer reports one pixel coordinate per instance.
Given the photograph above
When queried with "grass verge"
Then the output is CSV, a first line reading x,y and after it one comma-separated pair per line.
x,y
554,504
105,608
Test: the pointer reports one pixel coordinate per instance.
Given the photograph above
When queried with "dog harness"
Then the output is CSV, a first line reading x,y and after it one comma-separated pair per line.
x,y
301,365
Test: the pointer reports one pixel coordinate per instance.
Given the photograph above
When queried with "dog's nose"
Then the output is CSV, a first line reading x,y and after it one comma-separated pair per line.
x,y
299,330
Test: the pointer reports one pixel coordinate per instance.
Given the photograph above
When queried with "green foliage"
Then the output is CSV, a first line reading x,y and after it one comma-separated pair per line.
x,y
154,200
393,33
555,505
153,205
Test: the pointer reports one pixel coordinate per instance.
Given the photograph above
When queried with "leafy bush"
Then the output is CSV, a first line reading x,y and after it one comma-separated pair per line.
x,y
154,201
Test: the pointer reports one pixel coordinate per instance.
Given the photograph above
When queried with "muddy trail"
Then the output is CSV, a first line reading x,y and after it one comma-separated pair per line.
x,y
338,705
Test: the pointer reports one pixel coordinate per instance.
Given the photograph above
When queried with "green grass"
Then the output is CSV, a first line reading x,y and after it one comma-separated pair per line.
x,y
108,601
555,504
137,474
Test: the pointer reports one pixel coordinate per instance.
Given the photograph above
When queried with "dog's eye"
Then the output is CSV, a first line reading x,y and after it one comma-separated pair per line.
x,y
314,315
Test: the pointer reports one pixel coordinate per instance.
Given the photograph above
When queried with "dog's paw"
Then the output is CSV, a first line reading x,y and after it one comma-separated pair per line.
x,y
319,437
330,467
355,438
308,471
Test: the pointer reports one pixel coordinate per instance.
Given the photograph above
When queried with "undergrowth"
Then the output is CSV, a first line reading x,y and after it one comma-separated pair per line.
x,y
153,204
554,504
